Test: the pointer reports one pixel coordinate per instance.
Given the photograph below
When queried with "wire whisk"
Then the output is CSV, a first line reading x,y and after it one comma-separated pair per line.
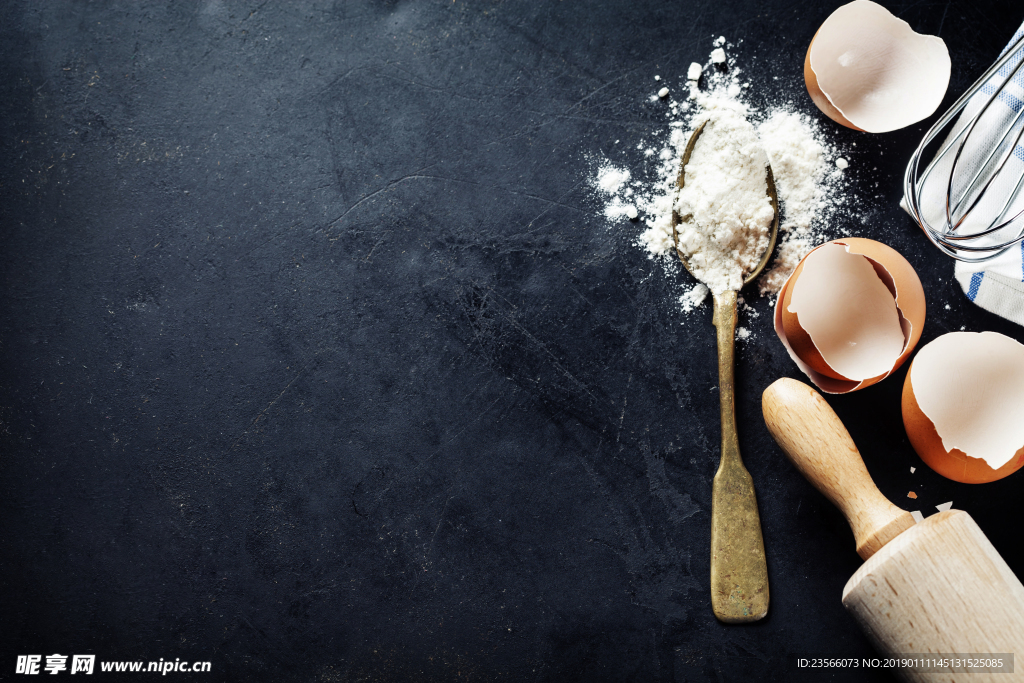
x,y
968,200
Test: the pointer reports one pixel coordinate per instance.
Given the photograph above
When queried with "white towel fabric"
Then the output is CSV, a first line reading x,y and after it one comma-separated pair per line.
x,y
996,285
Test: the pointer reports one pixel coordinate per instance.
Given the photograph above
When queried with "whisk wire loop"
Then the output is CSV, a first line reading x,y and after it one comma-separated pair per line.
x,y
964,192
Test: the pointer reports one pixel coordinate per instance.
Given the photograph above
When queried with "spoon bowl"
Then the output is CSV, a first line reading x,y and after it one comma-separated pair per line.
x,y
773,194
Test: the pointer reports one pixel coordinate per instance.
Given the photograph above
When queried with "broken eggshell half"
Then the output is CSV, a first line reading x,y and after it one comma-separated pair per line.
x,y
962,402
870,71
850,314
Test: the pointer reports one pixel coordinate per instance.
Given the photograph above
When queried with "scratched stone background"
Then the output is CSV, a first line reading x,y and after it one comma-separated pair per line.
x,y
319,361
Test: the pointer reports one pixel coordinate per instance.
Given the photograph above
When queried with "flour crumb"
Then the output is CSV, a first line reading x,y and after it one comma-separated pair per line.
x,y
842,164
718,56
657,78
694,72
663,92
743,333
719,41
616,209
694,297
631,213
611,179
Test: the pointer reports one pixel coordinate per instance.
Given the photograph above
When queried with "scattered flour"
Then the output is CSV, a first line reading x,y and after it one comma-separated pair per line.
x,y
745,307
798,162
791,249
798,165
808,176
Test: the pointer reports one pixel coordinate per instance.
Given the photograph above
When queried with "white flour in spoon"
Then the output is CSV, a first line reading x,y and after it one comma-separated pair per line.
x,y
811,188
724,207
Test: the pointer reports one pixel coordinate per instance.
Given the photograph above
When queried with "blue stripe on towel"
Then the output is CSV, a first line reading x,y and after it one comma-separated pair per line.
x,y
972,293
1014,103
1009,99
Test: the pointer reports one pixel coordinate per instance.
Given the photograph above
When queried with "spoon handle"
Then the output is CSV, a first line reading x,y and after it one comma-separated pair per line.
x,y
739,574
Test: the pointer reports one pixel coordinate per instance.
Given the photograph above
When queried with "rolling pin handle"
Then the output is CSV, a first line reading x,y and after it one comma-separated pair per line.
x,y
814,439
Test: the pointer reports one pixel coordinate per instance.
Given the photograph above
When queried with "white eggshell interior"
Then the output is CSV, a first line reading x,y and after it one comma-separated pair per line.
x,y
848,312
876,70
971,386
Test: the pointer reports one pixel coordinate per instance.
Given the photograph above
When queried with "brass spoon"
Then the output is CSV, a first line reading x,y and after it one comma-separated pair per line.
x,y
739,575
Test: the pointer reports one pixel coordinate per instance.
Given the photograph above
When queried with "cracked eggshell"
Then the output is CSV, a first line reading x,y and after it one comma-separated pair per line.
x,y
858,313
870,71
962,403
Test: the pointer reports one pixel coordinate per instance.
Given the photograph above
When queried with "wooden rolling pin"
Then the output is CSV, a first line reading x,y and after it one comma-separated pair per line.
x,y
937,587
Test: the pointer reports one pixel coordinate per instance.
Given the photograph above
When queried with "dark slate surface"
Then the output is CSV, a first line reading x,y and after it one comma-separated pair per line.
x,y
318,361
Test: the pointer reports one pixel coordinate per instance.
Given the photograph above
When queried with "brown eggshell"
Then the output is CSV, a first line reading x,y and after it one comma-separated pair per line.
x,y
898,275
955,464
866,65
818,96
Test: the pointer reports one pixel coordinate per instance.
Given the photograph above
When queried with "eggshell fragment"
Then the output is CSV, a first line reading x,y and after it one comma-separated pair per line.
x,y
870,71
850,314
847,313
962,406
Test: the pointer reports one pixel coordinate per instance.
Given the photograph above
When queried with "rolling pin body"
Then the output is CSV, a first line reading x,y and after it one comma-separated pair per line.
x,y
941,587
938,587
